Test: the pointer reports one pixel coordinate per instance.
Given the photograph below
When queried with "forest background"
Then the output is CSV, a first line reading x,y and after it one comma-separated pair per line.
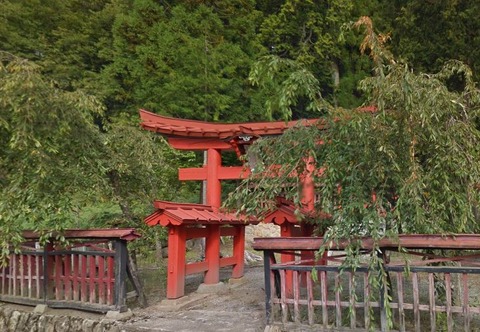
x,y
73,75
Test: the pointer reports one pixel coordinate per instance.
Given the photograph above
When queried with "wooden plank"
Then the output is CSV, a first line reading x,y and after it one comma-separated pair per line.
x,y
38,273
110,280
338,305
100,280
58,281
296,294
417,241
323,285
401,313
76,271
351,291
14,275
21,276
30,262
448,293
431,297
366,300
83,279
67,274
121,257
283,291
91,279
310,309
465,303
4,279
416,312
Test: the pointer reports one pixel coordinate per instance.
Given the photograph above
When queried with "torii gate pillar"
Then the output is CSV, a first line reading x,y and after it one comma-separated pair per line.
x,y
214,193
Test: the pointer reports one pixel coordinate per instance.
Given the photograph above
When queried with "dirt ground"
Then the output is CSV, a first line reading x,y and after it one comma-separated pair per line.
x,y
237,307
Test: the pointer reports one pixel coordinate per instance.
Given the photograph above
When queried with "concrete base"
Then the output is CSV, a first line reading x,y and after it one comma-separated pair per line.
x,y
181,303
119,316
233,282
212,288
40,309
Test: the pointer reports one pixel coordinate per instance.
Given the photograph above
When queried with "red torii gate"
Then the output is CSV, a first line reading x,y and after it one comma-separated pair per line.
x,y
213,138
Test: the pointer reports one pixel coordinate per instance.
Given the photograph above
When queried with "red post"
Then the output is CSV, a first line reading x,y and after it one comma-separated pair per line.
x,y
308,202
214,187
212,255
214,193
286,230
176,262
239,251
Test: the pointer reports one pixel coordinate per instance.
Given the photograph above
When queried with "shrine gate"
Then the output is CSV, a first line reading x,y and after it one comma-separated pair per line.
x,y
186,221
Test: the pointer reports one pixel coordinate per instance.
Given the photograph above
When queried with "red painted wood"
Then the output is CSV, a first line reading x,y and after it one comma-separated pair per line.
x,y
198,144
195,232
223,173
58,278
67,276
176,262
228,261
76,274
418,241
83,278
212,255
239,252
110,233
174,127
214,187
91,279
286,230
100,281
197,267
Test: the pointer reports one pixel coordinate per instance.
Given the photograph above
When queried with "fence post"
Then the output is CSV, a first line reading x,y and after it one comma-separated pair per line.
x,y
268,286
383,294
47,269
121,257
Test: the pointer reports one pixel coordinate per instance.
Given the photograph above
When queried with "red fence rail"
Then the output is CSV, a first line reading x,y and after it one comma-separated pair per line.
x,y
88,274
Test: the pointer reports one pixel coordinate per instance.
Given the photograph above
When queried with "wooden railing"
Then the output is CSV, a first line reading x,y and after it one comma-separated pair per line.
x,y
423,296
88,274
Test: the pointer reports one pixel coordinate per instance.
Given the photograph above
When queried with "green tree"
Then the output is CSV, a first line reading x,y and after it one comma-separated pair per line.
x,y
312,34
427,34
410,167
55,159
185,60
66,38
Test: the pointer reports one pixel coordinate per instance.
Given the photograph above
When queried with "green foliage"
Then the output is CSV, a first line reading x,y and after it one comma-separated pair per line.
x,y
312,34
57,158
409,167
427,34
50,148
188,62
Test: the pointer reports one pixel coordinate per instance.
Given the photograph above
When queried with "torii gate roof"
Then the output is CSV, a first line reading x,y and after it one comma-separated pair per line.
x,y
174,127
175,214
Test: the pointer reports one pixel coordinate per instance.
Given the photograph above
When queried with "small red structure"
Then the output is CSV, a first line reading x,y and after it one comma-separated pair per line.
x,y
194,220
88,272
189,221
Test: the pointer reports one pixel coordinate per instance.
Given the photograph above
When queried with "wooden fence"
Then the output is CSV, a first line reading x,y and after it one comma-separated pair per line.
x,y
88,273
431,294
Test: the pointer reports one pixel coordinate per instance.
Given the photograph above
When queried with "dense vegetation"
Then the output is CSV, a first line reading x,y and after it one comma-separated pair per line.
x,y
73,75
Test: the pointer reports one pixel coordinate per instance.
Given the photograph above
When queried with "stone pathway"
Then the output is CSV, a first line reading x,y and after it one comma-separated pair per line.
x,y
237,307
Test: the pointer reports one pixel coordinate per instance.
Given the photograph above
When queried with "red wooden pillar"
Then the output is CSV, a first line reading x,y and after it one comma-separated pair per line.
x,y
287,230
214,187
176,262
239,251
214,193
212,255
